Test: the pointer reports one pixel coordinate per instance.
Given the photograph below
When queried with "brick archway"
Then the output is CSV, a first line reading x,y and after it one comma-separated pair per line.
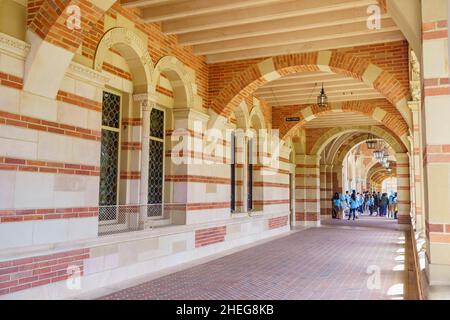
x,y
382,133
50,36
134,51
258,74
375,110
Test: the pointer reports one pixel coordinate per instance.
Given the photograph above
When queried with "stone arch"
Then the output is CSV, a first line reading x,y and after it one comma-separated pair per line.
x,y
256,116
344,143
134,51
373,110
258,74
242,116
398,146
341,154
182,81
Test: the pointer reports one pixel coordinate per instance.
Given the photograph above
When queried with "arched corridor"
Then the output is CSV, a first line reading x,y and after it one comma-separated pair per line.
x,y
138,136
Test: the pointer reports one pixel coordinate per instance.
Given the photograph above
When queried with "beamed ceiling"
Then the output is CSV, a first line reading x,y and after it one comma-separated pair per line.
x,y
227,30
340,119
297,89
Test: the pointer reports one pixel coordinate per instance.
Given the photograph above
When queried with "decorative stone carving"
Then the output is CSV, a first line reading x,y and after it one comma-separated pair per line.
x,y
85,74
415,88
117,36
13,47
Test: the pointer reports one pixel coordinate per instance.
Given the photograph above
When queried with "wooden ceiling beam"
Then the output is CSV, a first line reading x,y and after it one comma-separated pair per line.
x,y
142,3
309,91
379,37
311,21
192,8
259,14
333,78
288,102
294,37
350,84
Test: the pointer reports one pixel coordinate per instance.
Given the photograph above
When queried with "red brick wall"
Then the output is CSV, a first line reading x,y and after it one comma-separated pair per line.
x,y
28,273
209,236
279,222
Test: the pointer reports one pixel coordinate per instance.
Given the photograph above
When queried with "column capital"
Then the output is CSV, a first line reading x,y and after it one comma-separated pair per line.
x,y
414,105
309,159
147,100
192,114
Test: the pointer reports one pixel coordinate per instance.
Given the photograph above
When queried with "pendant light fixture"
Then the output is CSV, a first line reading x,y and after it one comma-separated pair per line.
x,y
371,142
322,99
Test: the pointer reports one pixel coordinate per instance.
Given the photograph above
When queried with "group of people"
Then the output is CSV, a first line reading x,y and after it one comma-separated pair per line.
x,y
355,204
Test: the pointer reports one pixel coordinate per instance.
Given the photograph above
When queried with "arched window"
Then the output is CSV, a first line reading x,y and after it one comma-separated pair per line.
x,y
110,154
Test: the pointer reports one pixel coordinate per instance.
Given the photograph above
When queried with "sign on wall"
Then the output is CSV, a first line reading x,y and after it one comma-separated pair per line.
x,y
293,119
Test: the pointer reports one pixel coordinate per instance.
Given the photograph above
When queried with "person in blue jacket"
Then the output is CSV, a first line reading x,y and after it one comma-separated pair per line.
x,y
336,202
353,206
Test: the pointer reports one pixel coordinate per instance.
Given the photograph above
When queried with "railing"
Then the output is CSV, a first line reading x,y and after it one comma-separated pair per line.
x,y
135,217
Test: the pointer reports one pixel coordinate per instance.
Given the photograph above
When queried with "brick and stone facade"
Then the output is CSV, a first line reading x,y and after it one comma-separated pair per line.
x,y
52,85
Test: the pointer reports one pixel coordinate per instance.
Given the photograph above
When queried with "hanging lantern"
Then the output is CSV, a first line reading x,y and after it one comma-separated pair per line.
x,y
378,154
371,142
322,99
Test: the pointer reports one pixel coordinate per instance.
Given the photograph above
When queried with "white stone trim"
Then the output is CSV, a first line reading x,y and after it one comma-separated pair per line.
x,y
82,73
13,47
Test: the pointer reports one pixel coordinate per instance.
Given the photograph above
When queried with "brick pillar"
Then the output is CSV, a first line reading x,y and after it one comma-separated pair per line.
x,y
403,188
436,139
308,190
323,190
194,172
329,188
337,178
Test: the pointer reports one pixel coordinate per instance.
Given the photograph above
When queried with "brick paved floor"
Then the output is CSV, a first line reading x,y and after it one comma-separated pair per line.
x,y
330,262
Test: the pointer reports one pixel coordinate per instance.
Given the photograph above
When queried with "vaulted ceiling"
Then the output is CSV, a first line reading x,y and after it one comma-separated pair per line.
x,y
227,30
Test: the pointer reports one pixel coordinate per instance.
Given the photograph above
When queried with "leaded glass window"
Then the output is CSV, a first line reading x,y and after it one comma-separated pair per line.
x,y
156,163
250,175
233,172
157,124
109,157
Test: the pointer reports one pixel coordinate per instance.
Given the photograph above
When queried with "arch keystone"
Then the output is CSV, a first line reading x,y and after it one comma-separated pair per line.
x,y
337,107
379,114
268,71
323,60
371,74
308,114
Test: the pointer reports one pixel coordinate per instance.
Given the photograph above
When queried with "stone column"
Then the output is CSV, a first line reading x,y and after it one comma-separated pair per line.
x,y
403,188
436,139
146,103
418,165
323,190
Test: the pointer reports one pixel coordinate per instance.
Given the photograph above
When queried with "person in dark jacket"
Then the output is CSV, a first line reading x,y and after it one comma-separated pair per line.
x,y
376,203
384,202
